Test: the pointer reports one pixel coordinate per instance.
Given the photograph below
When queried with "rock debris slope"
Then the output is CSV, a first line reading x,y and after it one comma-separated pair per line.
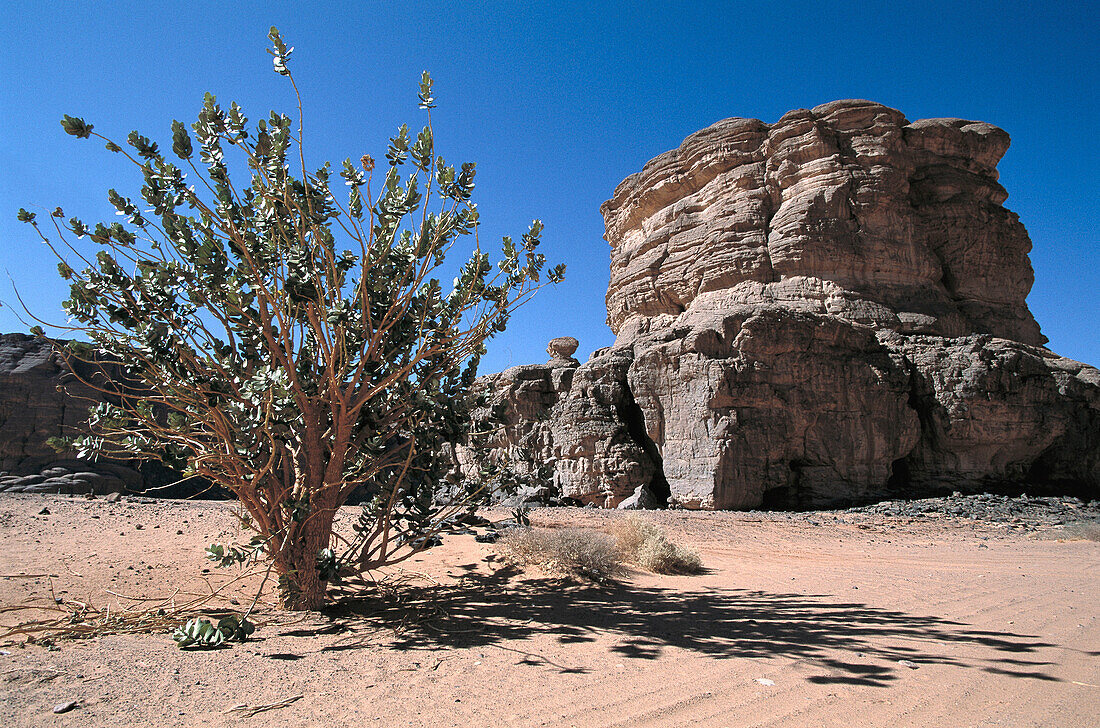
x,y
829,308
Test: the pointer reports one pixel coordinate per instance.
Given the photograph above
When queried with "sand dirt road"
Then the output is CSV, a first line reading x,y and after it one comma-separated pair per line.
x,y
865,621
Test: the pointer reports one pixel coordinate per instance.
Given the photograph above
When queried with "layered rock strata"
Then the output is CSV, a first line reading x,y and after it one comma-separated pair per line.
x,y
42,398
829,308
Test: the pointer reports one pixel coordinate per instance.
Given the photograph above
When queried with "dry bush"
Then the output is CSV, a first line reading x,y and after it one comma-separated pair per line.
x,y
646,545
569,551
1080,531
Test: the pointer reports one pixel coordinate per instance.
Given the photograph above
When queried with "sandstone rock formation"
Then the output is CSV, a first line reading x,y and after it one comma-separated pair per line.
x,y
826,309
561,351
40,399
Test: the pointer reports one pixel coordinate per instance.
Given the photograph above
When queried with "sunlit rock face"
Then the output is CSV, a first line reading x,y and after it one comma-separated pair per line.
x,y
826,309
578,419
846,210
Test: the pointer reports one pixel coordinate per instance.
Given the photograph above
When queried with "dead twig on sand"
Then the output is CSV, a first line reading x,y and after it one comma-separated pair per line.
x,y
247,711
27,576
79,620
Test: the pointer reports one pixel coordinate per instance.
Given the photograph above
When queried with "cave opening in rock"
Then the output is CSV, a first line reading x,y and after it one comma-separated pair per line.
x,y
778,498
789,496
1048,476
899,476
656,492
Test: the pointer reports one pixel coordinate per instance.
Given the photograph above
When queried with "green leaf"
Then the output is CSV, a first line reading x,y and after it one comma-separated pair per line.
x,y
280,54
201,634
145,148
399,147
76,127
235,629
24,216
427,101
422,150
181,140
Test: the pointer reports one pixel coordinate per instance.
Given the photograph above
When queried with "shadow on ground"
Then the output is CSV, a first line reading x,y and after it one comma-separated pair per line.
x,y
491,609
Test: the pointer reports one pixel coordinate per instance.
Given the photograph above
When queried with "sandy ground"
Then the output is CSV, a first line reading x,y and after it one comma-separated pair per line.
x,y
865,621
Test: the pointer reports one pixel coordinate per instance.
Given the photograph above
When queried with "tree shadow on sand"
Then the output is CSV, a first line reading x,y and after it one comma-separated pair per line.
x,y
491,609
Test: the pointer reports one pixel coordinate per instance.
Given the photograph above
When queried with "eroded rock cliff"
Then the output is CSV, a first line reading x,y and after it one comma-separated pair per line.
x,y
829,308
41,399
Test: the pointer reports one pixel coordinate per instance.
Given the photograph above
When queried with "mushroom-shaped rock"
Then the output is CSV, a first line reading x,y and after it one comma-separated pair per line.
x,y
561,351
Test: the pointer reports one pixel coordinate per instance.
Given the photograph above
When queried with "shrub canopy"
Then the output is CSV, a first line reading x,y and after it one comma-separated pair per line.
x,y
288,345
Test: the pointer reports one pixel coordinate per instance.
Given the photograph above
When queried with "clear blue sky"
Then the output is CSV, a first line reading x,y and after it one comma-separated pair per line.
x,y
557,103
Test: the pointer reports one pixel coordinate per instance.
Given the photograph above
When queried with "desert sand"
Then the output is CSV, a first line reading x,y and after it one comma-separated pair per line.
x,y
800,620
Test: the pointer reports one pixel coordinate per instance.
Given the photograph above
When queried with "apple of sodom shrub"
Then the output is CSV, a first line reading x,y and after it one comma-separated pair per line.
x,y
287,345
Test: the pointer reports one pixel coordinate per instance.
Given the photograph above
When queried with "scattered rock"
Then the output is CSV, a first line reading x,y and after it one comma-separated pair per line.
x,y
426,542
66,707
1028,513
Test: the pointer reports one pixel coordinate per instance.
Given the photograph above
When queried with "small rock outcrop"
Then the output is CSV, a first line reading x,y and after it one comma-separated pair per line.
x,y
561,351
574,422
826,309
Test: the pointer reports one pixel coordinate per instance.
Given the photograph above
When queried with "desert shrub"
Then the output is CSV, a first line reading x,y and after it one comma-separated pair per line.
x,y
1080,531
287,345
201,634
569,551
631,533
642,543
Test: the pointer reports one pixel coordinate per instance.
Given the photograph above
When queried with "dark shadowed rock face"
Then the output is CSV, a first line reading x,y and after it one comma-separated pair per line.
x,y
40,398
576,419
34,408
826,309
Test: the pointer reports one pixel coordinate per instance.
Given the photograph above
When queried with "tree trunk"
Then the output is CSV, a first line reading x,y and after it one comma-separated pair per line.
x,y
297,562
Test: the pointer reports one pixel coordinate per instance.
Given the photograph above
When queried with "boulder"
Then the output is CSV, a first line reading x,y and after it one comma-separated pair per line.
x,y
561,351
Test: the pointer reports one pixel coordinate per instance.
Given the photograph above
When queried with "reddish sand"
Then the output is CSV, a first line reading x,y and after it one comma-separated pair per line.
x,y
862,621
